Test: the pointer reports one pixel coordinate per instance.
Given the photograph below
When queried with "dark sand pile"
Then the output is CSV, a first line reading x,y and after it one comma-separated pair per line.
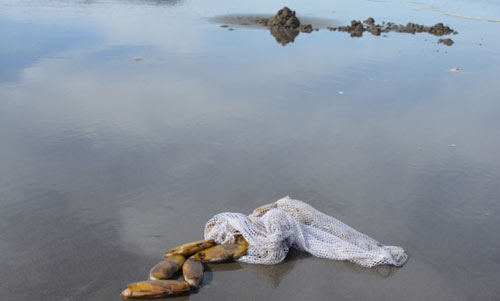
x,y
285,26
357,28
285,19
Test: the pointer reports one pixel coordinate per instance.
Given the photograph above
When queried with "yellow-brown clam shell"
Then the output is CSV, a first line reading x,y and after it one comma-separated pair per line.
x,y
166,268
221,253
155,288
193,271
190,248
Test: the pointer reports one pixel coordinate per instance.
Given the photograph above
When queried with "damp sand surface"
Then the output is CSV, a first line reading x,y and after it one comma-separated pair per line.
x,y
126,125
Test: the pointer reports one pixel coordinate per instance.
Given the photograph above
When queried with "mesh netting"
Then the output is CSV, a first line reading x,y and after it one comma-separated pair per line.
x,y
272,229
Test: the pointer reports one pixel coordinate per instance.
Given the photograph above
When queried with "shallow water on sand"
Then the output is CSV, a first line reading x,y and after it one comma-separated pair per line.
x,y
126,125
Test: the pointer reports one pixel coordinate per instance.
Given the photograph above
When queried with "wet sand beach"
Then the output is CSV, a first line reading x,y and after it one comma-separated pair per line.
x,y
126,125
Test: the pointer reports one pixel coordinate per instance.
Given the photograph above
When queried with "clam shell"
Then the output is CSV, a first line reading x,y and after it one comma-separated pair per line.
x,y
166,268
221,253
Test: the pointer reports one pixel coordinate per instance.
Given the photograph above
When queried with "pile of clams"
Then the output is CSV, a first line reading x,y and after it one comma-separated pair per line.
x,y
190,257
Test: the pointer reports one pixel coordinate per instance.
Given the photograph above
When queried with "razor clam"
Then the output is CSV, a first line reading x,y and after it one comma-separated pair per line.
x,y
155,288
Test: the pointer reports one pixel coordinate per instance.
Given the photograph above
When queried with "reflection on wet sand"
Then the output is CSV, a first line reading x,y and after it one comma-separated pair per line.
x,y
210,269
273,274
223,267
382,271
284,35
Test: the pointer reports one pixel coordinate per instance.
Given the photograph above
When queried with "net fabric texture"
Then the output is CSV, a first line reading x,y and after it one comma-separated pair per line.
x,y
271,230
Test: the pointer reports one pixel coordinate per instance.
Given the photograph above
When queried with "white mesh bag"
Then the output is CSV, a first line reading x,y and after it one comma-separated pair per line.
x,y
272,229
